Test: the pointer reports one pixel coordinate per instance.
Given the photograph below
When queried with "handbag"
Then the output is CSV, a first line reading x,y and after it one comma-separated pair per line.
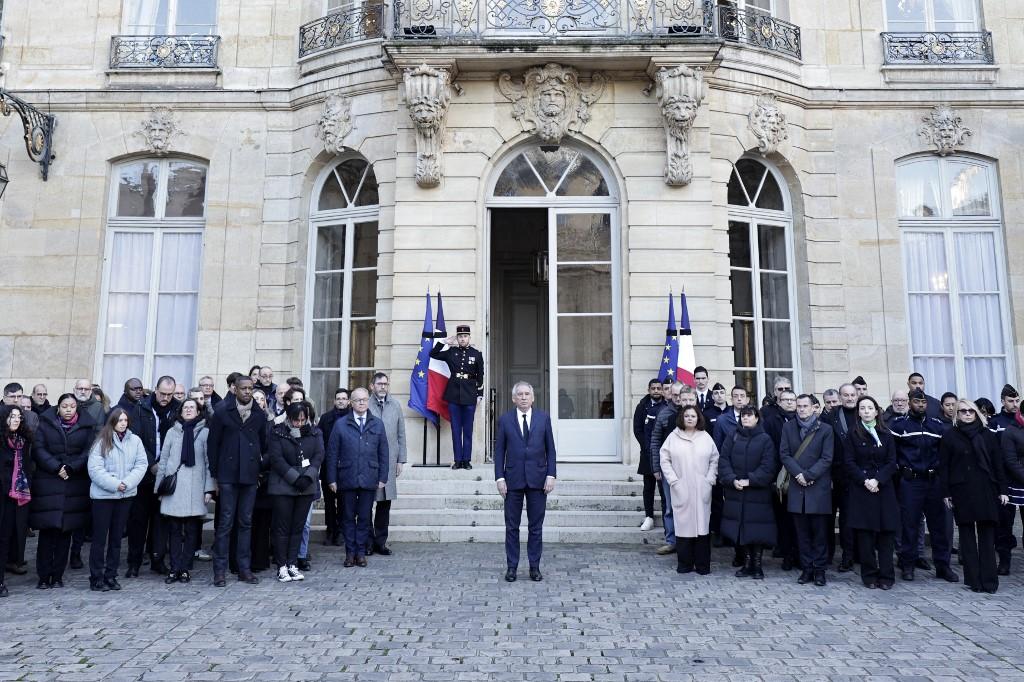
x,y
783,479
168,484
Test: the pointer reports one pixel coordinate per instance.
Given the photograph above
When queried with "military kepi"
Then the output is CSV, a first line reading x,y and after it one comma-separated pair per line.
x,y
462,329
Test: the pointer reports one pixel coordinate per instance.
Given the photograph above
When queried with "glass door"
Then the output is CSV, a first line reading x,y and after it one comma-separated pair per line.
x,y
583,309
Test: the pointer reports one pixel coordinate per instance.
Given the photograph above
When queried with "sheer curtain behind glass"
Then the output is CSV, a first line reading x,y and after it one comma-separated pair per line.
x,y
929,314
981,318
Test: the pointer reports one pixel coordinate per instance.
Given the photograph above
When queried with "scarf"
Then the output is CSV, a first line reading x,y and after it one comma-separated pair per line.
x,y
870,428
970,430
1020,418
244,411
69,424
806,426
121,435
188,445
21,491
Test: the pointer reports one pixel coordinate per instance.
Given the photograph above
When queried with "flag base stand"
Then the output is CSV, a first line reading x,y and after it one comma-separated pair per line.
x,y
436,464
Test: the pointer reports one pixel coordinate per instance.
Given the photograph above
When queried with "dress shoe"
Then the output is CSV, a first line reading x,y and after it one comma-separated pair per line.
x,y
907,574
3,590
467,465
171,578
946,573
98,586
684,569
349,561
303,564
112,584
219,581
819,578
56,583
383,551
846,565
666,549
806,576
1004,567
157,566
510,575
43,584
76,561
248,577
361,561
703,571
132,572
16,569
456,465
184,577
923,564
535,575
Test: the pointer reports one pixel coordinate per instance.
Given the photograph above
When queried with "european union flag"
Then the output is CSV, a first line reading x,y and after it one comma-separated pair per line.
x,y
669,358
418,382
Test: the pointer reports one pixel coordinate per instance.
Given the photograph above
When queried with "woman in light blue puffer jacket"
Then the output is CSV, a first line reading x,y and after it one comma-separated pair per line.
x,y
117,463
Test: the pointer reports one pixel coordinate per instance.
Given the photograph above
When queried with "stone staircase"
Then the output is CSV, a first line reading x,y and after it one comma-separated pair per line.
x,y
592,503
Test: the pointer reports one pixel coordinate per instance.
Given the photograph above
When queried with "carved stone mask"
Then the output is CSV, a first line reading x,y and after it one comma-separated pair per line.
x,y
551,101
680,110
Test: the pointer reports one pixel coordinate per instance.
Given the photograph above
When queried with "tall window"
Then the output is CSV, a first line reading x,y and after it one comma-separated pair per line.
x,y
170,17
760,271
341,290
153,261
932,15
956,282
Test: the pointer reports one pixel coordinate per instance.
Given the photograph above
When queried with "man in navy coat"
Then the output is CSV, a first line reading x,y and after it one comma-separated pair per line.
x,y
524,469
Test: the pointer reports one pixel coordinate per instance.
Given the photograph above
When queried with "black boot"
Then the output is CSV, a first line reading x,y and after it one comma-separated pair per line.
x,y
757,572
1004,566
681,564
747,569
739,558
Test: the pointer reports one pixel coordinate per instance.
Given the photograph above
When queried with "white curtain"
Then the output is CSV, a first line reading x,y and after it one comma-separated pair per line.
x,y
919,189
955,15
146,17
981,318
929,316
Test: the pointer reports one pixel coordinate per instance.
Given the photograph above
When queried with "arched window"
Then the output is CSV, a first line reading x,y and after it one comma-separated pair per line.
x,y
953,262
761,276
152,266
341,288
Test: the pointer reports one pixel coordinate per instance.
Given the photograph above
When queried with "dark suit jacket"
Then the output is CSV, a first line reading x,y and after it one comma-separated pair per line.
x,y
524,464
235,449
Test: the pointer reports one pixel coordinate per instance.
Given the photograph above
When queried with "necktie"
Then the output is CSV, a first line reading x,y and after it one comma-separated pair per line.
x,y
360,424
526,429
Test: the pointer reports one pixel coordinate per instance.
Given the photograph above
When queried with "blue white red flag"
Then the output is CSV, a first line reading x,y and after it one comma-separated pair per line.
x,y
437,377
669,358
687,361
418,383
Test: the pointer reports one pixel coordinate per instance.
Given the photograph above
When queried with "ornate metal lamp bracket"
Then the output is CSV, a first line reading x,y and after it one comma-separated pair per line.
x,y
39,129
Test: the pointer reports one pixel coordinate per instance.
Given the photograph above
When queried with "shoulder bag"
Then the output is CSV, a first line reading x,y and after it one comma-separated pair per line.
x,y
783,479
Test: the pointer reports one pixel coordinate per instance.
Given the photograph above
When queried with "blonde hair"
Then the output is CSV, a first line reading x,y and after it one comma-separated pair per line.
x,y
971,404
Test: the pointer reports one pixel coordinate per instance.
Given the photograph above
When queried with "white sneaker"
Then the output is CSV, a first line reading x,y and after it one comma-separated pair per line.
x,y
647,524
203,555
284,575
293,573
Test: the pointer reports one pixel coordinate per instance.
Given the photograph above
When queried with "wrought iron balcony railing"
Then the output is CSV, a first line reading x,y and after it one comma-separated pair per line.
x,y
164,52
938,48
753,27
554,19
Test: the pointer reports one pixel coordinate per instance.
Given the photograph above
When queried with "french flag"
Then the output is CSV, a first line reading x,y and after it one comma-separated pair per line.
x,y
687,361
438,372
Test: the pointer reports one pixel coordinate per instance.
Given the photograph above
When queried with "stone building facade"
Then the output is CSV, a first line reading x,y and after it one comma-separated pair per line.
x,y
832,184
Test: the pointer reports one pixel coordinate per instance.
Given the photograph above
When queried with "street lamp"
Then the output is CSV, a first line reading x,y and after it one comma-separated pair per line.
x,y
38,131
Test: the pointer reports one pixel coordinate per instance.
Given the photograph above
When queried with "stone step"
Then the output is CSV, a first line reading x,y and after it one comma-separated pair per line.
x,y
496,517
487,487
579,534
566,472
596,503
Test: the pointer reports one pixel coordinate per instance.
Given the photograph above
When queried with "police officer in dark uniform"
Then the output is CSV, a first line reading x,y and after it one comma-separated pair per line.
x,y
465,388
917,454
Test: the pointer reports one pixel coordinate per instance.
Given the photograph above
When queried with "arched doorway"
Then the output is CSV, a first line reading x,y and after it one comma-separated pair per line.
x,y
554,315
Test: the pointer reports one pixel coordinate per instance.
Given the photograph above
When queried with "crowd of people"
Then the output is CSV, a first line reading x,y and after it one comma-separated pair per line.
x,y
146,469
785,475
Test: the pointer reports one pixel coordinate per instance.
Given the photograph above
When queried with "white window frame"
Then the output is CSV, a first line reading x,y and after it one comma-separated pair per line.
x,y
929,20
949,225
755,218
158,226
172,19
348,219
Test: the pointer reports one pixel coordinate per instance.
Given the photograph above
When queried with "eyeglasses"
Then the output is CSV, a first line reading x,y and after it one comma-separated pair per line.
x,y
360,400
965,410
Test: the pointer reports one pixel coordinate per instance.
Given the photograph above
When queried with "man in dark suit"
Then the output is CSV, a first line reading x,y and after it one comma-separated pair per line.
x,y
704,398
524,468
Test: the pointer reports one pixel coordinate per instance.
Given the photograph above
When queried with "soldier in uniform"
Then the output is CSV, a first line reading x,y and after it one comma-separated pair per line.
x,y
465,388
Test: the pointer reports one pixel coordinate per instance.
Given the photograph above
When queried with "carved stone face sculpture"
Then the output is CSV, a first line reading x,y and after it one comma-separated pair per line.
x,y
551,101
945,128
680,110
160,134
424,111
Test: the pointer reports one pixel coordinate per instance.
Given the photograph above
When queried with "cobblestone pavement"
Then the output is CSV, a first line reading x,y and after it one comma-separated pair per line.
x,y
443,612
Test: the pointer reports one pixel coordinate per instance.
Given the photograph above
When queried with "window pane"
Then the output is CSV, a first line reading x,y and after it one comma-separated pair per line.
x,y
351,172
362,343
585,340
583,180
126,323
981,321
584,288
586,394
327,296
176,323
519,180
131,256
739,244
551,165
330,195
365,255
118,369
146,17
330,248
136,190
177,366
742,294
771,247
326,344
186,190
196,16
368,195
955,15
771,195
748,380
181,260
976,265
925,261
968,189
985,377
322,386
918,184
736,195
364,293
360,379
778,349
775,296
939,372
908,13
931,326
743,342
584,237
751,173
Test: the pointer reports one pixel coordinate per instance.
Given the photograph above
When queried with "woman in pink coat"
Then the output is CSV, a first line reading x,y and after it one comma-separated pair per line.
x,y
689,463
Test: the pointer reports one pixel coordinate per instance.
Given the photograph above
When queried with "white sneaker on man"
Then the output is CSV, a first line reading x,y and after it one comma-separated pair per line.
x,y
284,575
203,555
647,524
293,573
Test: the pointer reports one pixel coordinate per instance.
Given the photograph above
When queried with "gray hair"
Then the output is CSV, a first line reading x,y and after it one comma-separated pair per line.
x,y
828,392
515,387
779,379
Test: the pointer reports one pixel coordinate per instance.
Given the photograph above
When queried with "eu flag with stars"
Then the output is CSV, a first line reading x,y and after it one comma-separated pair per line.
x,y
418,382
670,356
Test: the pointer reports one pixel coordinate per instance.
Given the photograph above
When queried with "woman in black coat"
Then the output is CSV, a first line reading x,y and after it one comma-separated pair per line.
x,y
869,455
296,451
15,468
60,487
746,471
974,486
